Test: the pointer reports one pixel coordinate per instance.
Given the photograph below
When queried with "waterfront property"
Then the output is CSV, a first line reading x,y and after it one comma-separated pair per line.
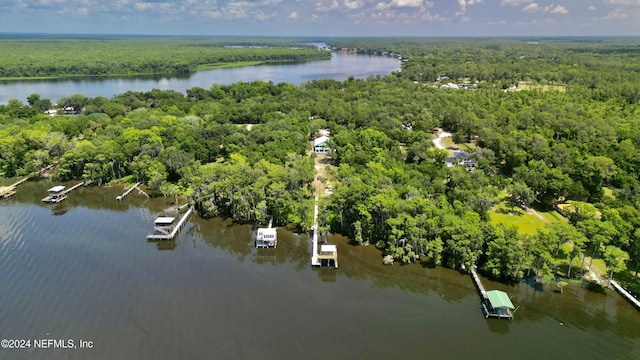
x,y
498,305
329,254
56,194
267,237
59,193
321,146
166,228
495,303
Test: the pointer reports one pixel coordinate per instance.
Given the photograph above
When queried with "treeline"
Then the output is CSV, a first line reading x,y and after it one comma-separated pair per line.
x,y
392,187
608,66
58,57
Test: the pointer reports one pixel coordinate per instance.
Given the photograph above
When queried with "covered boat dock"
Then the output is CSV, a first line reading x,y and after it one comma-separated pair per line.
x,y
498,305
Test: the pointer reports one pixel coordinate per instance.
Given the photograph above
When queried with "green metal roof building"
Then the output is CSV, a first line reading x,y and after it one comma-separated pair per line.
x,y
501,305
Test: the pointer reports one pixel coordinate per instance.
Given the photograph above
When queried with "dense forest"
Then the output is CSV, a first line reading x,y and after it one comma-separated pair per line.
x,y
56,56
567,141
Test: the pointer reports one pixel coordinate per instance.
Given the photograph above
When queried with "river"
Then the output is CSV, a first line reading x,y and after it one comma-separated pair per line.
x,y
84,270
339,67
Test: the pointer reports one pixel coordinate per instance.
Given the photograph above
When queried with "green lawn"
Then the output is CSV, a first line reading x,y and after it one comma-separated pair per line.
x,y
527,223
447,142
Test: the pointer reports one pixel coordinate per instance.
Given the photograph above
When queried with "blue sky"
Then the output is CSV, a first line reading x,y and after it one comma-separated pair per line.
x,y
325,17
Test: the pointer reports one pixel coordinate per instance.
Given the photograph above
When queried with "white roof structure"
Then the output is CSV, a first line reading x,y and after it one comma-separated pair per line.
x,y
267,231
164,220
328,248
56,189
321,140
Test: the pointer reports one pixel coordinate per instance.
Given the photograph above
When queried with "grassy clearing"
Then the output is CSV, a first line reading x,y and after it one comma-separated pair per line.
x,y
523,85
526,221
599,264
447,142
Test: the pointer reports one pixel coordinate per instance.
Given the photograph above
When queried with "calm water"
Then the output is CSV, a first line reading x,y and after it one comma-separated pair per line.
x,y
83,270
340,67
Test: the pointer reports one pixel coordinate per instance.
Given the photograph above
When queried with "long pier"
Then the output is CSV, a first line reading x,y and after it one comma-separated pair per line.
x,y
59,193
160,235
476,280
501,312
625,294
124,195
314,244
72,188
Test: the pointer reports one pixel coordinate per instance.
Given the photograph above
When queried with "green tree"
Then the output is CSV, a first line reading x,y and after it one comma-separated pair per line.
x,y
615,259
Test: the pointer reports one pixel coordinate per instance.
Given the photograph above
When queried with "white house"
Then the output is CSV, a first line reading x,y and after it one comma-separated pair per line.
x,y
320,145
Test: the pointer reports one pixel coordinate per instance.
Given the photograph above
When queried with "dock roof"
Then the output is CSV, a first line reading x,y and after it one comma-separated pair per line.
x,y
499,299
164,220
56,189
328,248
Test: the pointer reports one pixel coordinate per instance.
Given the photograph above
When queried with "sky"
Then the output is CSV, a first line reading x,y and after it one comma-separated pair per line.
x,y
324,17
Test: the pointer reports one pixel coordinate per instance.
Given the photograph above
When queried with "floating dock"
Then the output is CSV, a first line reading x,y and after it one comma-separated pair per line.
x,y
59,193
165,227
267,237
625,294
495,303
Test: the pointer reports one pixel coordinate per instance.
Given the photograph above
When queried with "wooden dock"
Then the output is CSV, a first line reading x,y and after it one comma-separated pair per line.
x,y
8,191
625,294
327,253
59,193
73,188
168,233
476,280
124,195
503,309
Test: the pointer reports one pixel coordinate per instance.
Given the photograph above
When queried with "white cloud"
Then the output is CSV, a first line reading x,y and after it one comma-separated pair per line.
x,y
617,15
496,23
532,8
262,16
553,9
332,5
463,5
381,6
406,3
293,15
591,8
623,2
514,2
353,4
560,10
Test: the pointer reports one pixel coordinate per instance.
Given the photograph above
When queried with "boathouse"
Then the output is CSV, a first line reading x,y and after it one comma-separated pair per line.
x,y
267,237
162,228
329,253
498,305
56,194
166,228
